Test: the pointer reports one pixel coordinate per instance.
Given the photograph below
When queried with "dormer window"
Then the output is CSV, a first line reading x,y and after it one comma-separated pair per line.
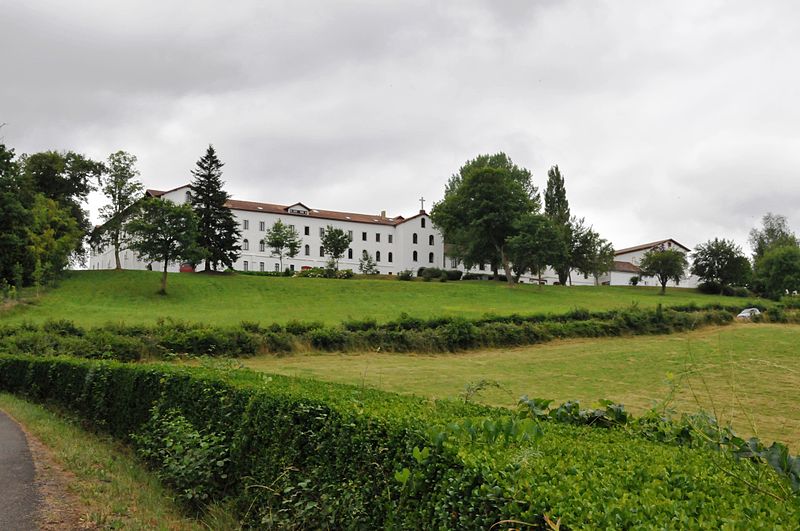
x,y
298,208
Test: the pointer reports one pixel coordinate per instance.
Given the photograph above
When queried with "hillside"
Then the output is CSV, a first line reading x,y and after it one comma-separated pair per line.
x,y
97,297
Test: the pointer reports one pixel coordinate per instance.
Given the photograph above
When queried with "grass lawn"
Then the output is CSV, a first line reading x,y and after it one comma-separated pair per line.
x,y
749,374
97,297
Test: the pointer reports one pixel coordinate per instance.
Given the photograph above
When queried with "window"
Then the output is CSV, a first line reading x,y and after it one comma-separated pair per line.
x,y
430,239
321,250
307,230
291,267
291,227
377,256
261,266
245,245
454,262
390,258
261,246
390,238
321,232
377,236
364,236
188,197
430,258
422,223
246,266
261,226
414,238
277,266
307,250
350,254
246,224
414,256
482,267
350,235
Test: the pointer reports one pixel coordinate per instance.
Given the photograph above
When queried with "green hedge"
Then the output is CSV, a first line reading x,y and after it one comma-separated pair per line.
x,y
301,454
405,334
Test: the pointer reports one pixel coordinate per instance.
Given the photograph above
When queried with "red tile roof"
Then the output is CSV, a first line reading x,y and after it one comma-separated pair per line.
x,y
252,206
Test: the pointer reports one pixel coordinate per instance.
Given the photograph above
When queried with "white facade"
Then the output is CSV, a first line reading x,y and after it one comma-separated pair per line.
x,y
396,244
626,262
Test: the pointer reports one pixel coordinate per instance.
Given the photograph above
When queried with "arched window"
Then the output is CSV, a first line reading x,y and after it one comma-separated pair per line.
x,y
430,258
430,239
308,250
390,258
245,245
350,254
261,246
422,223
415,256
377,256
321,250
414,238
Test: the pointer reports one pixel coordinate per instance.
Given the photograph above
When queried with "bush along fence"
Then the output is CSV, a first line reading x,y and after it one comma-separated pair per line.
x,y
405,334
299,454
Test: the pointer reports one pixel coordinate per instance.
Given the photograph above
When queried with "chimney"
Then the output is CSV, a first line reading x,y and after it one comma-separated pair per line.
x,y
383,214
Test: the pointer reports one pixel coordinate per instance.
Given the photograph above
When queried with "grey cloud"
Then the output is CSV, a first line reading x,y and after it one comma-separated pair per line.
x,y
674,119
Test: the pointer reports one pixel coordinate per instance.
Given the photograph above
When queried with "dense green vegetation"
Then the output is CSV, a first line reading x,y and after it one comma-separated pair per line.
x,y
305,454
92,298
743,373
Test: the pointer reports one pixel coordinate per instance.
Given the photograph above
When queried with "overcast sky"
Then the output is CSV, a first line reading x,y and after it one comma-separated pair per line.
x,y
668,119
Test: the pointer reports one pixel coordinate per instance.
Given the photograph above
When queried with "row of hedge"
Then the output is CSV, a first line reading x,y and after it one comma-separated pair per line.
x,y
405,334
298,454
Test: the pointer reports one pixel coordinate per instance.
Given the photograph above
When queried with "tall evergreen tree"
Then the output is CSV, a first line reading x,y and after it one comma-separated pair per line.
x,y
218,232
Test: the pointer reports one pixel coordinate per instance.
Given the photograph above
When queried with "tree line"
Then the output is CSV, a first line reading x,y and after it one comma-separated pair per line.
x,y
492,214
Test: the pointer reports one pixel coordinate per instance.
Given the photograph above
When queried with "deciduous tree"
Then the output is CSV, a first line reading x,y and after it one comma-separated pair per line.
x,y
164,232
334,243
534,245
778,271
218,232
665,265
774,232
482,205
721,262
123,190
283,240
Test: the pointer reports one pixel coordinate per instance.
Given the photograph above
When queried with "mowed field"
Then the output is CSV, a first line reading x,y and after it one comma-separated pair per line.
x,y
93,298
747,374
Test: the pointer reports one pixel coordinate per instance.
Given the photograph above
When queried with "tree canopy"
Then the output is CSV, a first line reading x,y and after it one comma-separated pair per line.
x,y
335,242
664,265
774,232
721,262
164,232
283,240
122,188
482,207
218,232
778,271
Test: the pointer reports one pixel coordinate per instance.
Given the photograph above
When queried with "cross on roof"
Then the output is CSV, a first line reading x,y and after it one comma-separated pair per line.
x,y
422,203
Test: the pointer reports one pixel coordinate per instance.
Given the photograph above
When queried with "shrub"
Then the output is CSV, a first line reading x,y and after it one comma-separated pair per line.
x,y
193,463
406,274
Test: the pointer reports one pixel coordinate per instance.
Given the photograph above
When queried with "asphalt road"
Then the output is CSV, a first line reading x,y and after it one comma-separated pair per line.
x,y
19,497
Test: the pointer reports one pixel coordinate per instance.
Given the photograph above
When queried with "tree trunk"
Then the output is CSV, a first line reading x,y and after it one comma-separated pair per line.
x,y
507,268
163,290
118,264
208,265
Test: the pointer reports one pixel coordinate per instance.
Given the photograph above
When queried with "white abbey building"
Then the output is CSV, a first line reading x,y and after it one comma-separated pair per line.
x,y
396,243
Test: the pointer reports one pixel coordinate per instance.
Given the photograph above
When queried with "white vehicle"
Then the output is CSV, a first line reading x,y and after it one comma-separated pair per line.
x,y
747,313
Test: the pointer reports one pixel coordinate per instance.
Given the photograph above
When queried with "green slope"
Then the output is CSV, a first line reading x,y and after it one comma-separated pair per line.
x,y
97,297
